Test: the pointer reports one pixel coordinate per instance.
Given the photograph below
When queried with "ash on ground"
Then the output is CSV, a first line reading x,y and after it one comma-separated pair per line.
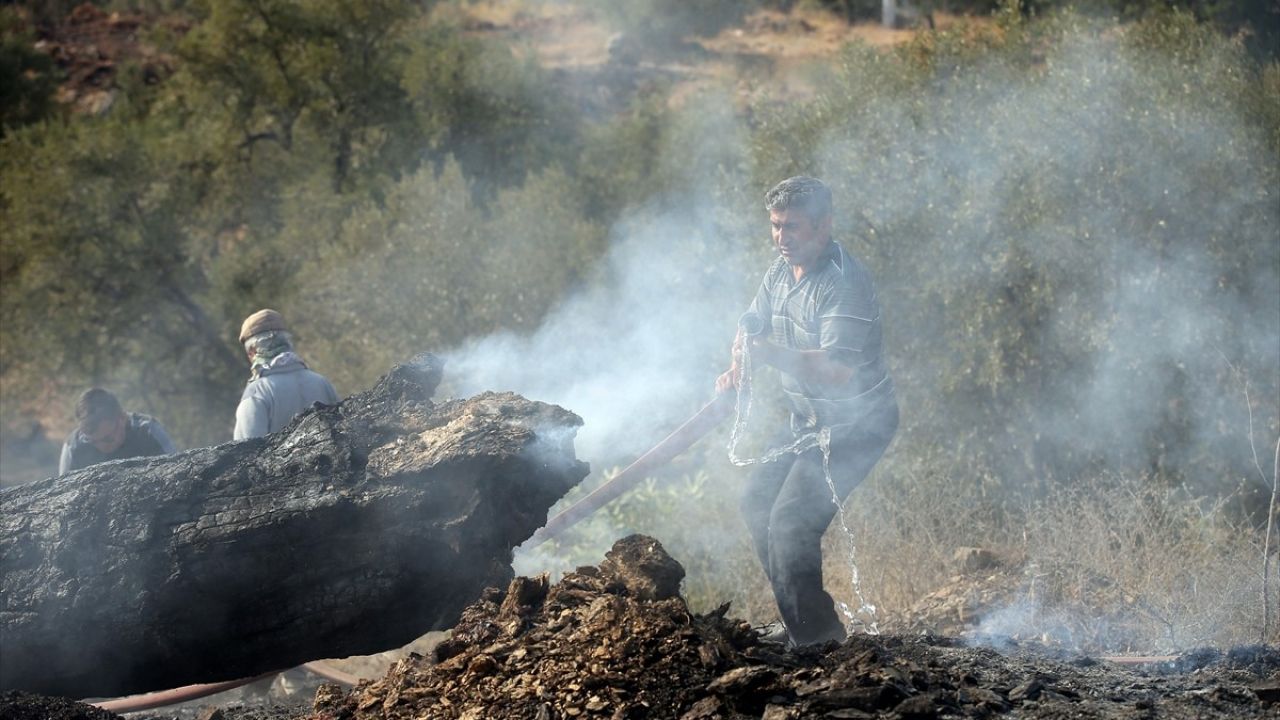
x,y
617,642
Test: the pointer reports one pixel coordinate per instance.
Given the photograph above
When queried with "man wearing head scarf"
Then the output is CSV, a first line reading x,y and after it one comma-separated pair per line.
x,y
281,386
816,319
104,431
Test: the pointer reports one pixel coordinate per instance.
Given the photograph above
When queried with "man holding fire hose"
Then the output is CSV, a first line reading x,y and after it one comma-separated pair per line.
x,y
817,320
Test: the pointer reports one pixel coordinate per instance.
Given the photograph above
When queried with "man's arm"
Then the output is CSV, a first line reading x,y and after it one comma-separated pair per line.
x,y
814,367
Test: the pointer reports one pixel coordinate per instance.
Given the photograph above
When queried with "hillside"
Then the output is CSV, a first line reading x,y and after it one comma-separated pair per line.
x,y
768,58
91,45
1070,217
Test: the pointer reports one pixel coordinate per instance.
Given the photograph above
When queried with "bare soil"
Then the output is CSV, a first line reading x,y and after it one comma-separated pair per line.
x,y
92,46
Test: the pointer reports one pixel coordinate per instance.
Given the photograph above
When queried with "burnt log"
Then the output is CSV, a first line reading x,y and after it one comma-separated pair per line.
x,y
355,529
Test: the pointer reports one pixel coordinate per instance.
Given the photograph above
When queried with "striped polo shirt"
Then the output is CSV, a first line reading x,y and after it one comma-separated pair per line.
x,y
833,307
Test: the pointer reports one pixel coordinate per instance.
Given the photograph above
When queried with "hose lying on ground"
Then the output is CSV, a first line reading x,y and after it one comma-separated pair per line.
x,y
149,701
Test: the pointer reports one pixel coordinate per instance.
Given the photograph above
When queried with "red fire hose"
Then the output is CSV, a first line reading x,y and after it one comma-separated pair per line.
x,y
150,701
134,703
677,442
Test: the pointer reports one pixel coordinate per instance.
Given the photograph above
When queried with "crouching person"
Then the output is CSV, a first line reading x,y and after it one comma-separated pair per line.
x,y
104,431
281,385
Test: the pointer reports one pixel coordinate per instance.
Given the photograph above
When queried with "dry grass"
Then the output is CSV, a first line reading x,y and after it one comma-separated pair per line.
x,y
768,48
1114,564
804,34
1179,563
558,34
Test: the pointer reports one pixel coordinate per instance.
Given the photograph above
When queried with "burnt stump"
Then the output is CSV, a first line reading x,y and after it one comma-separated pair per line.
x,y
358,527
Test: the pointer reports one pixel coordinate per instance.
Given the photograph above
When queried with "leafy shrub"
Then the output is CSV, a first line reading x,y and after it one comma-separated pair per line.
x,y
98,281
498,115
27,76
1073,236
428,268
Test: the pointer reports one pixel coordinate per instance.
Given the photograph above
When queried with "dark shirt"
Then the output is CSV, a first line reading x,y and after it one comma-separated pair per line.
x,y
143,436
833,307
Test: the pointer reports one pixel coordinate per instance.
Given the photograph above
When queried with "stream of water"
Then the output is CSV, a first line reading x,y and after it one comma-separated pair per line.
x,y
864,617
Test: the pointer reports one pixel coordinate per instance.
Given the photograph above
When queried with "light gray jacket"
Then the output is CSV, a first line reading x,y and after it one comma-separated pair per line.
x,y
278,393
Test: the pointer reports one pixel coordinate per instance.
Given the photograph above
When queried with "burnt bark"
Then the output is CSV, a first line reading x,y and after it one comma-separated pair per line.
x,y
356,528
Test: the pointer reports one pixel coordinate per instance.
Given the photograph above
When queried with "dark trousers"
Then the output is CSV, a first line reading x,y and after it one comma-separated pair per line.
x,y
788,505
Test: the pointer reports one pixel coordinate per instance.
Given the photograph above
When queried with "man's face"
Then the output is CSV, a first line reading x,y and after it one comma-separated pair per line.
x,y
108,434
799,239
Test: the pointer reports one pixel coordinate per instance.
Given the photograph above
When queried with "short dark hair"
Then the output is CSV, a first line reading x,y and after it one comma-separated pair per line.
x,y
96,405
801,192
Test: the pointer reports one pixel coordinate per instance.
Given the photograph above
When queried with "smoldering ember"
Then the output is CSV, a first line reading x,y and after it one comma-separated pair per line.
x,y
390,515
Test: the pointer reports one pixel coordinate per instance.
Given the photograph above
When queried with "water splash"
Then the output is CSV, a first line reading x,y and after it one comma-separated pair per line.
x,y
865,609
864,618
805,442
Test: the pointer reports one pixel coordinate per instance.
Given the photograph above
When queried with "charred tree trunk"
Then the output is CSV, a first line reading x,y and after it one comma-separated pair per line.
x,y
357,528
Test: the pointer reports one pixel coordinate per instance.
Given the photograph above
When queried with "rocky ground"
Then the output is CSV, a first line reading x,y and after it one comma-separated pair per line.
x,y
618,641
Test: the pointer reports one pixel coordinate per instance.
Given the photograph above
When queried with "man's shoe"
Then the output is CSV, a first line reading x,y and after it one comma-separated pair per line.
x,y
774,632
836,634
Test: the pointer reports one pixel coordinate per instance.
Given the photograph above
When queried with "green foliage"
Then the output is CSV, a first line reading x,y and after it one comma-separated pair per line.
x,y
98,277
1256,23
27,76
494,112
325,75
1073,232
149,234
429,268
619,158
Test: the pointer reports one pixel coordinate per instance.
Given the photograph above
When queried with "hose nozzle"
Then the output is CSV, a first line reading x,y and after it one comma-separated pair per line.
x,y
751,323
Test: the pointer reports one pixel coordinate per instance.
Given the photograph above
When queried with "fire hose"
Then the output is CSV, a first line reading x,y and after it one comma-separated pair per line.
x,y
187,693
677,442
711,414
